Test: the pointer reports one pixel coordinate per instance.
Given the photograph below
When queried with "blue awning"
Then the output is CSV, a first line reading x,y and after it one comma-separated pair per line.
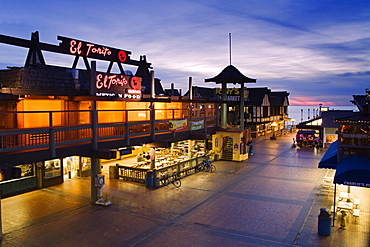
x,y
306,132
353,171
329,160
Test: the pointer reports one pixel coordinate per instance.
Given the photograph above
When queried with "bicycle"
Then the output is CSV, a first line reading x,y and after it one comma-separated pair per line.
x,y
207,166
167,179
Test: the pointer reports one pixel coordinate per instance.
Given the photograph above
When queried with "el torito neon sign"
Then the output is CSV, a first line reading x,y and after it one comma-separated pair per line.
x,y
127,87
87,49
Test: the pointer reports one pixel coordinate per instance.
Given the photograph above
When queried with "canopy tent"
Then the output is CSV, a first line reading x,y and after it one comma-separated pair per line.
x,y
353,171
329,160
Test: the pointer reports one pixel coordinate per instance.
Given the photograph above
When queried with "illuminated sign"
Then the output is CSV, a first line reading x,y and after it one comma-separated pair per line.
x,y
197,125
233,94
121,86
87,49
178,124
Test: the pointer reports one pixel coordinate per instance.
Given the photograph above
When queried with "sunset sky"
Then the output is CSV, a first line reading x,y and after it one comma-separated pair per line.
x,y
317,50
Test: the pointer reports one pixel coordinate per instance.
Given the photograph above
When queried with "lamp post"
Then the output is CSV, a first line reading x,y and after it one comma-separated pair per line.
x,y
273,125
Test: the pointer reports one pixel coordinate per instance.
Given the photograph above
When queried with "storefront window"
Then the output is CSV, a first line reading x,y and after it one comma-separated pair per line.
x,y
26,170
53,168
71,166
86,163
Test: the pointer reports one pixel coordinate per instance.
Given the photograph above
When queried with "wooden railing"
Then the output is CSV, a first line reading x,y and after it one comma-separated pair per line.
x,y
18,139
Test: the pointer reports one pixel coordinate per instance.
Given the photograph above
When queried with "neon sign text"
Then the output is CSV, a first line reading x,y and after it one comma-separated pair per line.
x,y
88,49
76,48
102,51
108,80
118,85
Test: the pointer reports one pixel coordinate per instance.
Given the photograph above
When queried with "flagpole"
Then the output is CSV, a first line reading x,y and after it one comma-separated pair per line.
x,y
230,46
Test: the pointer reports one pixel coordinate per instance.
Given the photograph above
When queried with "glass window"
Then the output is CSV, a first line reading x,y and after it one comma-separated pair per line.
x,y
86,163
52,168
27,170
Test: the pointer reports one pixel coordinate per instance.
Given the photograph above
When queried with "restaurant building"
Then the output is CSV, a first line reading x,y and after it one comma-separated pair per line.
x,y
59,123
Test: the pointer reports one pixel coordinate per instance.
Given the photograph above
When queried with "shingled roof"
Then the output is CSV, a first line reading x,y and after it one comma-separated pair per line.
x,y
44,78
279,98
230,74
256,95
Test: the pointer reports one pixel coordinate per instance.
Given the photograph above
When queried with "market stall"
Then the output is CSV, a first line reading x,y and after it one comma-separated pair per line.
x,y
182,158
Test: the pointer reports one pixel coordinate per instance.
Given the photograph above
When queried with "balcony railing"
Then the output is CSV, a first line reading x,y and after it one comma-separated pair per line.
x,y
61,128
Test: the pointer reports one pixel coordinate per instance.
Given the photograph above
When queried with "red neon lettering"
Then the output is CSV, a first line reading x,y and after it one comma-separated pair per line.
x,y
73,49
88,49
99,83
102,51
108,81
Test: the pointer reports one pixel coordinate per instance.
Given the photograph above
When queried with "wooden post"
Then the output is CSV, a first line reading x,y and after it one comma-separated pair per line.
x,y
94,126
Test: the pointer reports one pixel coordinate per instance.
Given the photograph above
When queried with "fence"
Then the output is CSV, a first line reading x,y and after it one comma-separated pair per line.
x,y
181,169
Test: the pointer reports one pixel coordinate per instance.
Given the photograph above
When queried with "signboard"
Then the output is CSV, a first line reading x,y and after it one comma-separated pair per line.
x,y
358,184
233,94
178,124
87,49
125,150
120,86
197,125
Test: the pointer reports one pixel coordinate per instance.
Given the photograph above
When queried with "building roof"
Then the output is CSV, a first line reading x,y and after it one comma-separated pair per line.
x,y
355,118
256,95
49,79
146,84
204,92
44,78
230,74
328,117
279,98
169,92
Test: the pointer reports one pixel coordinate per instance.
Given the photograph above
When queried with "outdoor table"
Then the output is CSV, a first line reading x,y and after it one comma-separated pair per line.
x,y
345,205
345,195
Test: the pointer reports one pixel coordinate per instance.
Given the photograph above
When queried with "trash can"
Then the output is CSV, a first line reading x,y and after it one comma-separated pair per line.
x,y
324,223
113,172
149,179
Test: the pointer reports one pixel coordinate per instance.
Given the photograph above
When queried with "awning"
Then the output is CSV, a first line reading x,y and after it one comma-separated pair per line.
x,y
329,160
353,171
306,132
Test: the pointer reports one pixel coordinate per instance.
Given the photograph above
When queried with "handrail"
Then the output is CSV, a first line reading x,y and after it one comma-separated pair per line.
x,y
32,138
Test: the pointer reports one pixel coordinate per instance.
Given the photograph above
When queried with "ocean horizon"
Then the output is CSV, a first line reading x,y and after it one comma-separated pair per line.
x,y
304,112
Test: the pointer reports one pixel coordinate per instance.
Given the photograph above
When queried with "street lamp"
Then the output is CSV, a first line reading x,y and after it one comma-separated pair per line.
x,y
273,125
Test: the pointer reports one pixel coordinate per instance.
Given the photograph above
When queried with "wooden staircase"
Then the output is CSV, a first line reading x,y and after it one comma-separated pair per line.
x,y
227,153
